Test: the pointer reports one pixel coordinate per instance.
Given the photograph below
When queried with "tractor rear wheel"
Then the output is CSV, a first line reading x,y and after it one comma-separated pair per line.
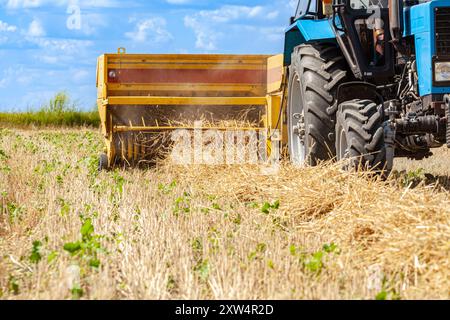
x,y
360,135
316,71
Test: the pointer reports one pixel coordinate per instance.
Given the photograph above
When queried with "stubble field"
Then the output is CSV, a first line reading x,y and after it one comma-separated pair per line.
x,y
218,232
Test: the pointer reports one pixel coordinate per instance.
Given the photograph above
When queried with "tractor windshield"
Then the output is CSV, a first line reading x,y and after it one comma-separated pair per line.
x,y
368,4
305,7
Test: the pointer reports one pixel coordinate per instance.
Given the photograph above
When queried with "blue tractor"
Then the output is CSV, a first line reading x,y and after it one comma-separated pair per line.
x,y
369,80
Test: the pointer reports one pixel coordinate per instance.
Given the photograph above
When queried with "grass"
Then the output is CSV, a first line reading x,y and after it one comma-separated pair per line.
x,y
224,232
60,111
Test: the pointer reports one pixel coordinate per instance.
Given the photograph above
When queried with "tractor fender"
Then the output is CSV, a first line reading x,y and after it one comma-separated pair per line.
x,y
358,90
304,31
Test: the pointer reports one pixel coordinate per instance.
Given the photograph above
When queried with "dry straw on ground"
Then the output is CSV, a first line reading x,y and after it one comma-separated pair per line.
x,y
214,232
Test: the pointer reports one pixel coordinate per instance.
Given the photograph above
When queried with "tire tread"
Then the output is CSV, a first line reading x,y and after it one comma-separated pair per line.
x,y
322,68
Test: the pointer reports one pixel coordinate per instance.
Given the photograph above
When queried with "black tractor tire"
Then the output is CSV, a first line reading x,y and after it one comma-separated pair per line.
x,y
360,136
103,162
316,71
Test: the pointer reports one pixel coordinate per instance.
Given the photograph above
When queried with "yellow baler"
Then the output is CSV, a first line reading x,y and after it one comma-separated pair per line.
x,y
142,97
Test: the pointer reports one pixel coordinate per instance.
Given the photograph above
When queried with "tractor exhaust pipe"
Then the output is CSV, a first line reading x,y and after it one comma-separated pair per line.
x,y
395,21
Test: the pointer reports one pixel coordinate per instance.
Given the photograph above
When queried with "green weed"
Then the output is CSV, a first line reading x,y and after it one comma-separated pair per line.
x,y
331,248
77,293
267,207
59,111
253,205
86,250
15,212
314,262
214,240
3,155
182,204
197,245
202,269
119,182
167,188
387,292
258,253
172,285
52,256
65,207
35,255
413,178
13,285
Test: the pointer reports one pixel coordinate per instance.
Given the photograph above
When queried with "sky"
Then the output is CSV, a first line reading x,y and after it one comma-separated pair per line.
x,y
47,46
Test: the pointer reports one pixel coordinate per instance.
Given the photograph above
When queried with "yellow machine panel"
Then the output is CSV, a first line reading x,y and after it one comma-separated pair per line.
x,y
140,95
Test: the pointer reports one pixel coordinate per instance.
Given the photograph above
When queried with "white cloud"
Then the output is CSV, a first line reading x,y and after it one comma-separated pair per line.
x,y
208,24
5,27
178,1
36,29
14,4
17,4
68,46
102,3
3,82
81,75
275,34
16,75
91,23
229,13
151,30
273,15
206,38
50,59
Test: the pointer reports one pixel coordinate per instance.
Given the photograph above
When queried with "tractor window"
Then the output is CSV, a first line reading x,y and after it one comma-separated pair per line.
x,y
306,7
371,31
371,35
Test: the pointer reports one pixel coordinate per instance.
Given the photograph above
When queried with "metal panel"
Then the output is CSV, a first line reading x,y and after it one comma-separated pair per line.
x,y
306,30
275,73
316,29
420,23
187,101
442,24
187,75
140,95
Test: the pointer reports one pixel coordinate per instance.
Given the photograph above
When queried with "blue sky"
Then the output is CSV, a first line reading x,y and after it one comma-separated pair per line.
x,y
48,46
